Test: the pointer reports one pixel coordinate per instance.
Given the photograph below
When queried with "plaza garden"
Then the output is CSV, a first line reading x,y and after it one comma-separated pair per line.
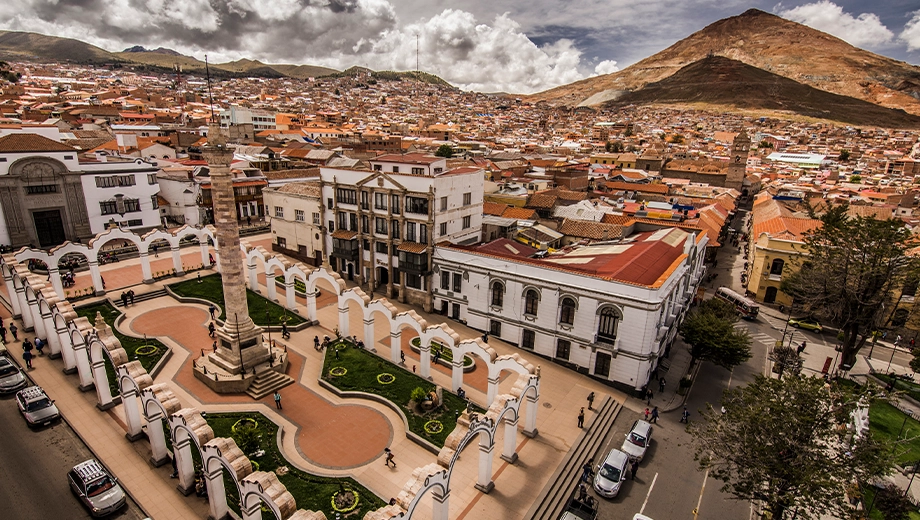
x,y
263,311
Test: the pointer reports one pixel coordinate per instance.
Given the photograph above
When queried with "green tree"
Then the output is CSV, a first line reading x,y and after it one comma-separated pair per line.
x,y
890,500
445,150
783,443
247,437
614,146
8,74
855,178
853,274
765,144
676,139
709,331
628,132
844,156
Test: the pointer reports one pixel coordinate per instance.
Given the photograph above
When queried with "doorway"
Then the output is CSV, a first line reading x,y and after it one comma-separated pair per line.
x,y
351,272
602,364
49,226
383,276
770,296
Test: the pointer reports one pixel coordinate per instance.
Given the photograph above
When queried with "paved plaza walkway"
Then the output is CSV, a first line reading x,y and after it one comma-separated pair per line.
x,y
321,432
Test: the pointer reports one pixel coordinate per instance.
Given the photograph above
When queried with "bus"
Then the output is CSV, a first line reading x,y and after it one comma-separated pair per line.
x,y
745,307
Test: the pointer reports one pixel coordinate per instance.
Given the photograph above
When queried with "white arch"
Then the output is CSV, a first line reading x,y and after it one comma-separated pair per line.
x,y
217,455
261,487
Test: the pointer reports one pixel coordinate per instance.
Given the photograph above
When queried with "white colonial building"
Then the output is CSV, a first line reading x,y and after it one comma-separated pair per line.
x,y
609,309
296,221
380,226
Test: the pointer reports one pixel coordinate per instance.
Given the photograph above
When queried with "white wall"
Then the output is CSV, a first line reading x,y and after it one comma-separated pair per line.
x,y
141,190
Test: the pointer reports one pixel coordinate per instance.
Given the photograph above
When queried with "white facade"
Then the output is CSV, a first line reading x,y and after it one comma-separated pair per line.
x,y
237,115
183,194
123,191
617,330
296,220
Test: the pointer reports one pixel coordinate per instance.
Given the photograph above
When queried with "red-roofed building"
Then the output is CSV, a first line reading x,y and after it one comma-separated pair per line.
x,y
607,308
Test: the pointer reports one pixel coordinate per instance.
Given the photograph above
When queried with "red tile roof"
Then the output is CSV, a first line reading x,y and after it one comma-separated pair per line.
x,y
24,143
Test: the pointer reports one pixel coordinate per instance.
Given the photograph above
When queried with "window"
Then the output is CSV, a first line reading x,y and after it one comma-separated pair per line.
x,y
438,170
777,267
413,281
417,205
353,221
331,226
394,204
567,311
423,233
443,230
151,178
380,201
394,228
345,196
396,169
563,348
132,205
282,242
380,226
607,326
43,188
378,167
443,203
316,219
466,222
343,220
365,227
135,222
410,231
364,200
528,338
153,200
495,328
299,215
279,212
531,302
114,180
602,364
329,202
458,278
108,207
467,199
498,294
381,247
445,280
418,171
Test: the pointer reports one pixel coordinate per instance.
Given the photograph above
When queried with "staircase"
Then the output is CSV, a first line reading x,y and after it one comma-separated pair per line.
x,y
116,298
555,494
266,382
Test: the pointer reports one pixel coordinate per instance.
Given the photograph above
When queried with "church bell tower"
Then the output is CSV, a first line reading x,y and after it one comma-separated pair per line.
x,y
737,161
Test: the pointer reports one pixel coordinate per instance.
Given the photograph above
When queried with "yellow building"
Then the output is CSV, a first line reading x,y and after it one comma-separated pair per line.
x,y
776,246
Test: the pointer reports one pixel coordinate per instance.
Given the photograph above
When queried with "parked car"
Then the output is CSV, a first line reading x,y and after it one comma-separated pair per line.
x,y
637,440
11,378
611,473
36,407
806,323
96,488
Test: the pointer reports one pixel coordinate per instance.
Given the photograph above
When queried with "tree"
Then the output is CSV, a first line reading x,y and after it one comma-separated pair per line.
x,y
782,442
709,331
890,500
853,274
855,178
614,146
844,156
247,438
8,74
445,150
765,144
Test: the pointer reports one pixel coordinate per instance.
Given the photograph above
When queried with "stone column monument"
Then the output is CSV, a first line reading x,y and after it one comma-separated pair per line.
x,y
240,344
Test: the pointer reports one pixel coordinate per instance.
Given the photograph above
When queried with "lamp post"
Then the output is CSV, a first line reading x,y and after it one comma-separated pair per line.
x,y
893,349
268,328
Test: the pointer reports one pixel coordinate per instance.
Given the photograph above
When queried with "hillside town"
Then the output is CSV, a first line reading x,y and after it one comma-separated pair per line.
x,y
571,243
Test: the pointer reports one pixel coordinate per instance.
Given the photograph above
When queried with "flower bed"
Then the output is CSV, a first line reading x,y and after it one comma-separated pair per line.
x,y
386,379
338,371
446,353
310,491
363,368
146,350
212,290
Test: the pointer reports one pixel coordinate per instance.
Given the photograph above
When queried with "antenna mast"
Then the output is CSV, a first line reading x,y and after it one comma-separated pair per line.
x,y
207,71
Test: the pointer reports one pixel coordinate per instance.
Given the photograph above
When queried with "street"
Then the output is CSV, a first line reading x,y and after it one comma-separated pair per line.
x,y
34,469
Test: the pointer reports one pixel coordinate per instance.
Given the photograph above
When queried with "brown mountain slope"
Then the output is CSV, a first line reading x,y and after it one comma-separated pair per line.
x,y
25,46
728,83
770,43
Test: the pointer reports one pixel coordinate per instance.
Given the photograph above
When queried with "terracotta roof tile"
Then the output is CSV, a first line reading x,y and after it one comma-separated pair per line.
x,y
493,208
519,213
589,229
412,247
21,143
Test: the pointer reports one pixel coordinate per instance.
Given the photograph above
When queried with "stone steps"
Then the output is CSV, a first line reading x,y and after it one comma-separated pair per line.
x,y
266,382
116,298
551,501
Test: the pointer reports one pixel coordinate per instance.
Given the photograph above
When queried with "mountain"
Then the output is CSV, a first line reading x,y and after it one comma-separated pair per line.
x,y
771,43
158,50
728,83
26,46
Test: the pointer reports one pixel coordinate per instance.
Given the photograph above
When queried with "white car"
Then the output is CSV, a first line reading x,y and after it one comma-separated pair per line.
x,y
637,440
611,473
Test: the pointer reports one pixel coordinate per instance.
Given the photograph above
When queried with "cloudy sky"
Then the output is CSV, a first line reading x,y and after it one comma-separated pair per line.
x,y
519,46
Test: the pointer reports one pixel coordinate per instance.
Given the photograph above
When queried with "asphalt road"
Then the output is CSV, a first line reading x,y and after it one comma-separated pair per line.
x,y
34,466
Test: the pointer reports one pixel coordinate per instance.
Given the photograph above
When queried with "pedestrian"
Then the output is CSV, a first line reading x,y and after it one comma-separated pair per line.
x,y
634,466
661,384
13,331
389,458
590,401
248,220
26,345
897,340
437,356
315,342
131,296
124,299
402,357
39,345
211,259
284,332
685,416
582,492
199,277
211,329
3,333
213,310
277,399
587,470
581,417
214,346
801,348
648,396
647,411
485,337
156,251
27,356
655,415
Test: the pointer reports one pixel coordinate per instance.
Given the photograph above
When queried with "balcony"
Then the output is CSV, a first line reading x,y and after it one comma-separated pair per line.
x,y
413,258
345,245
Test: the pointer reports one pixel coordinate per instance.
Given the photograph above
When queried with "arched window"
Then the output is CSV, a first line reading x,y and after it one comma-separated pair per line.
x,y
498,294
777,267
531,302
607,325
567,311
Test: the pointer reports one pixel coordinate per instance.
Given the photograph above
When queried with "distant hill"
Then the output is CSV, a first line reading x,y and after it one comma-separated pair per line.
x,y
729,83
389,75
27,46
771,43
158,50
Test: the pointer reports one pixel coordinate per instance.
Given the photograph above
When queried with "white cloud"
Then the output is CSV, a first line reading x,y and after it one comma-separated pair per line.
x,y
865,30
606,67
911,32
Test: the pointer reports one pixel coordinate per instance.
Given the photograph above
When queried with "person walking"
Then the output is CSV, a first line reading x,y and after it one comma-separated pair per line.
x,y
277,399
581,417
3,333
39,345
211,329
590,401
315,342
685,415
634,467
389,458
661,384
647,412
587,470
27,357
130,296
284,332
124,299
655,415
213,310
14,330
648,396
801,348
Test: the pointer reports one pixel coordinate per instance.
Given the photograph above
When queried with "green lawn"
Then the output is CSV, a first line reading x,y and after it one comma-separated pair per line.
x,y
210,289
298,285
129,343
875,514
446,353
310,491
910,388
363,367
885,421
